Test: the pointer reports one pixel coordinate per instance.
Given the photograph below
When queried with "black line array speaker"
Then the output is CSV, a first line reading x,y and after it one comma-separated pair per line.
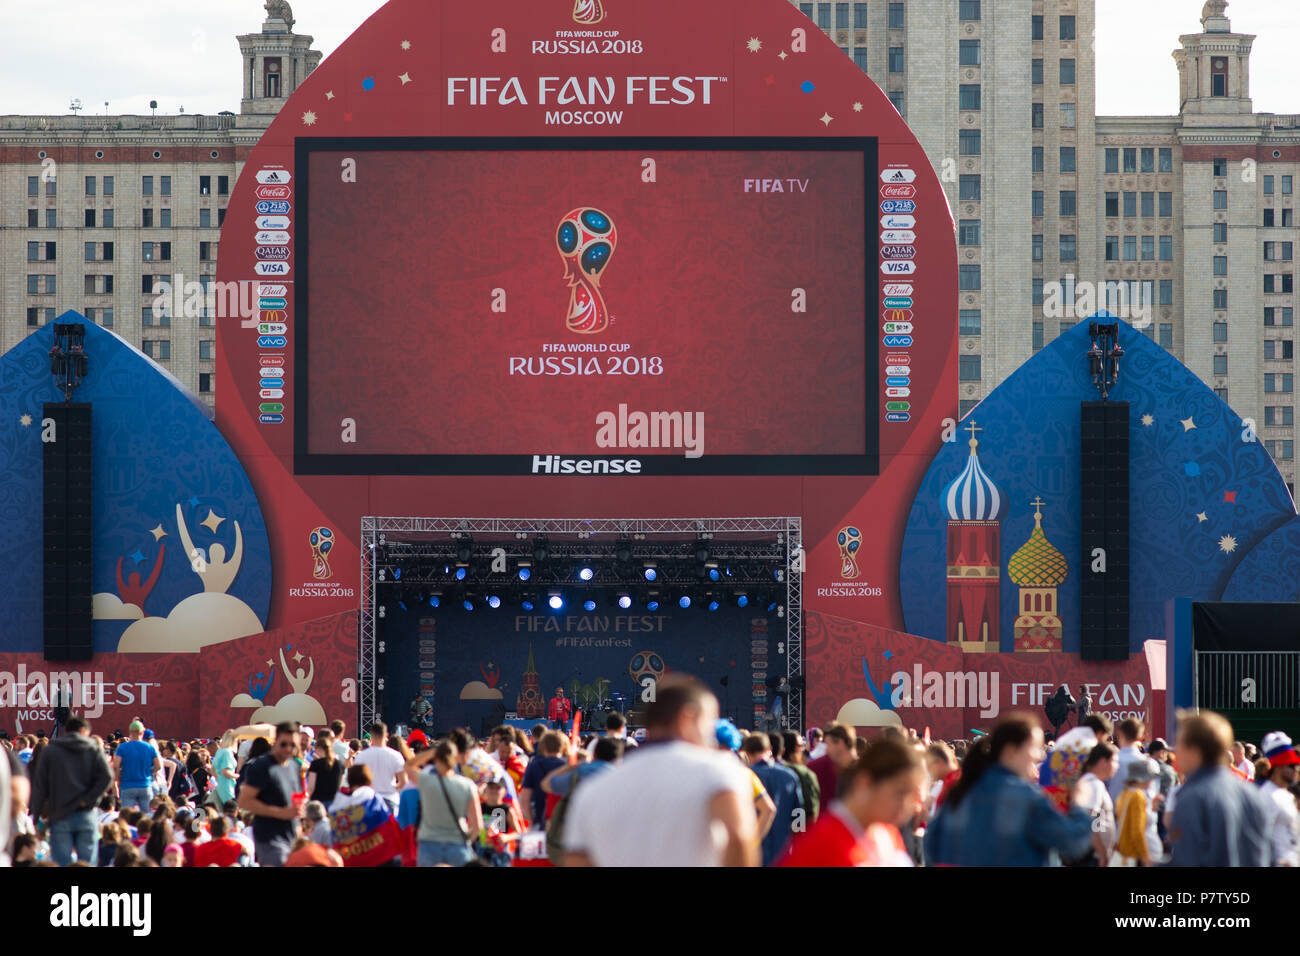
x,y
1104,563
65,433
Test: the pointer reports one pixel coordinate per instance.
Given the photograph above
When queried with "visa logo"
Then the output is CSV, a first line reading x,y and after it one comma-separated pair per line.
x,y
898,417
897,341
271,341
905,267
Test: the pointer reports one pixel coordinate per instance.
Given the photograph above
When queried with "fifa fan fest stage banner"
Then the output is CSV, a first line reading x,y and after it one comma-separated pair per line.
x,y
612,259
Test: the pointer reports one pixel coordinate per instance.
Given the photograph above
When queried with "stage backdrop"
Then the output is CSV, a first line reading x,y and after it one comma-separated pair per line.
x,y
476,667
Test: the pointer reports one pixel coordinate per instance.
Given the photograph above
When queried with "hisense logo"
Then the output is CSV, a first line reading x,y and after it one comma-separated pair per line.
x,y
75,910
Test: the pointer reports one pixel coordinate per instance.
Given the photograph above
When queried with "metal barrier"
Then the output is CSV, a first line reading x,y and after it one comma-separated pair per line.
x,y
1247,680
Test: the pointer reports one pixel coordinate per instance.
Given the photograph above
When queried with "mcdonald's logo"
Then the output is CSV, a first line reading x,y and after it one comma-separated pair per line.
x,y
272,315
898,315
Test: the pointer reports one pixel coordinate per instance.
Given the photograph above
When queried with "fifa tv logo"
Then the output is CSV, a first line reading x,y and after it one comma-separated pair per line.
x,y
588,11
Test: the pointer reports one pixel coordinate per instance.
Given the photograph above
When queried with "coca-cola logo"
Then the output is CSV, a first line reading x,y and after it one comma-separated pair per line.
x,y
904,191
273,192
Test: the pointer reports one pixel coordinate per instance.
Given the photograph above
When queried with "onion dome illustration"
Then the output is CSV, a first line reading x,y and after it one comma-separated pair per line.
x,y
1037,564
972,496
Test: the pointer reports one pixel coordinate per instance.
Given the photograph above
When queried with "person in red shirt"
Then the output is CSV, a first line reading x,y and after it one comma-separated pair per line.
x,y
841,752
944,772
861,829
221,850
559,711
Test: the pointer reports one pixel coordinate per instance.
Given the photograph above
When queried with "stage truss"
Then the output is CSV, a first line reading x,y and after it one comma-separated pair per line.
x,y
376,531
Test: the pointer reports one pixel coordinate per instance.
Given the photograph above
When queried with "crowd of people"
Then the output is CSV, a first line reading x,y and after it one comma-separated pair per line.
x,y
697,792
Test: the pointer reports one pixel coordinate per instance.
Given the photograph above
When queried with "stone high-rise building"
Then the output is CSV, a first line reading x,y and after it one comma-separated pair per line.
x,y
1194,212
98,211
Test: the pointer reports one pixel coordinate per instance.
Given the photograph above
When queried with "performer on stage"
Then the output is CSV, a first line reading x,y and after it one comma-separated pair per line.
x,y
559,711
420,710
62,701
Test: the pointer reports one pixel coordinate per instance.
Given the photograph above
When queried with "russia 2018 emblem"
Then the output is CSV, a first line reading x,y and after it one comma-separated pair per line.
x,y
586,240
588,11
849,539
322,542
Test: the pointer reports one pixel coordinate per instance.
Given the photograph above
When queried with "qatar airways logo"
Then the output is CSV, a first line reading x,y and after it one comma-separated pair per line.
x,y
581,90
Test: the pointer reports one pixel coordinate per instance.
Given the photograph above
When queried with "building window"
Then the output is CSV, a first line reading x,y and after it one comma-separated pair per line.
x,y
1069,202
1279,349
823,16
968,187
165,185
1067,27
146,218
968,368
1036,202
1112,160
968,96
1283,383
1220,168
1166,205
1221,335
1067,116
860,58
1268,184
969,142
1220,232
1112,248
33,218
1131,160
1067,159
108,185
969,278
1148,205
205,218
205,382
1036,72
1283,449
966,406
146,186
969,10
1219,76
1036,159
1112,205
90,185
1036,245
223,182
1036,115
1130,205
1037,291
33,185
969,53
1220,199
90,219
1166,160
895,59
1069,249
1166,291
1067,72
1280,316
895,98
1288,218
1037,27
1148,248
1287,183
968,322
1268,218
806,9
968,232
1275,415
107,219
1130,249
165,218
1036,341
205,350
51,187
841,16
1221,266
40,285
1167,335
1166,248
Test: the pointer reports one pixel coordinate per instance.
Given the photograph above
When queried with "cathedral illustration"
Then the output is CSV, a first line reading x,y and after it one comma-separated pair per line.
x,y
1038,569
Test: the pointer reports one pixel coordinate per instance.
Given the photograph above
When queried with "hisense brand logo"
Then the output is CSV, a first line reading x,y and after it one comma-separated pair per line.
x,y
559,465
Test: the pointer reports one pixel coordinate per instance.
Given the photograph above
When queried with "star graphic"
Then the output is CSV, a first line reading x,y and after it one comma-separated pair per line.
x,y
406,44
329,95
193,502
1148,420
1230,496
297,657
1202,517
754,44
158,533
25,421
309,118
857,107
212,522
826,119
138,555
1227,544
1188,424
405,78
270,663
782,55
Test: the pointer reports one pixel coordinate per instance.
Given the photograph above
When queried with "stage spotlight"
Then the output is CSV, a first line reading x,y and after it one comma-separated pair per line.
x,y
771,607
651,573
701,551
589,604
402,605
435,600
468,604
541,549
525,574
586,574
555,601
684,601
527,605
778,574
623,551
742,600
460,574
625,601
713,604
494,601
652,604
397,574
464,551
715,574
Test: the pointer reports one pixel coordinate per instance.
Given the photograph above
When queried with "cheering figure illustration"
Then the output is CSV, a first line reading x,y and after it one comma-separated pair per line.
x,y
131,590
216,572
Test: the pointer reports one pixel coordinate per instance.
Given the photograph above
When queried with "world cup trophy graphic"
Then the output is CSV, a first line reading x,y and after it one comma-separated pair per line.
x,y
586,240
588,11
849,540
322,542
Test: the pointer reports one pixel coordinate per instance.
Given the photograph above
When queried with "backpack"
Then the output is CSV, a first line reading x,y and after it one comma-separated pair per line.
x,y
183,786
555,825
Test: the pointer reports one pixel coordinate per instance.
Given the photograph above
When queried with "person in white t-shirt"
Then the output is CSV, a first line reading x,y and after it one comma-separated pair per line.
x,y
677,801
387,766
341,749
1093,795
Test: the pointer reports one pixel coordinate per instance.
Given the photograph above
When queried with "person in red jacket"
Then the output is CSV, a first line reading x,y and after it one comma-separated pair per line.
x,y
559,711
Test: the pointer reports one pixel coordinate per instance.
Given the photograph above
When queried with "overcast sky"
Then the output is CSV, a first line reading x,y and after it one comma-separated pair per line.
x,y
185,55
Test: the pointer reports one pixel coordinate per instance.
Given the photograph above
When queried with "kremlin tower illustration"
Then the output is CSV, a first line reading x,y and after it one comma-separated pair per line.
x,y
974,537
1038,569
529,703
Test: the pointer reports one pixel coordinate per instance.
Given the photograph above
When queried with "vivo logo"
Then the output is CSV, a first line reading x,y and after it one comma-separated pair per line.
x,y
897,341
271,341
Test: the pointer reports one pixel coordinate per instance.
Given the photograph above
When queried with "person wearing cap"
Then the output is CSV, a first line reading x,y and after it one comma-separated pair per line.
x,y
1138,840
1167,782
1283,821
